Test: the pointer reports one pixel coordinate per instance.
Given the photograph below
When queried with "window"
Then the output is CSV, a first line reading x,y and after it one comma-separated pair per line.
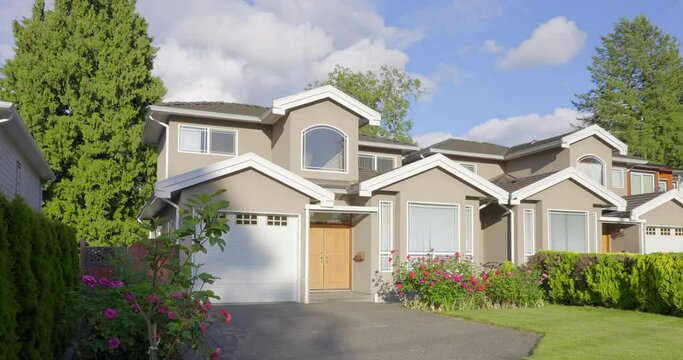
x,y
568,230
204,140
385,234
324,148
642,183
679,231
470,167
276,220
433,228
376,162
618,178
246,219
664,231
17,179
529,233
593,167
663,185
469,231
650,230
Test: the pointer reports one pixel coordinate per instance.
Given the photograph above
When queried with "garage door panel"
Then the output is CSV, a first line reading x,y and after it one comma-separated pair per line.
x,y
663,239
259,262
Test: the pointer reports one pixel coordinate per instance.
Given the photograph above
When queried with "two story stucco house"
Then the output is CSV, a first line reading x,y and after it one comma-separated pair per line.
x,y
23,168
317,205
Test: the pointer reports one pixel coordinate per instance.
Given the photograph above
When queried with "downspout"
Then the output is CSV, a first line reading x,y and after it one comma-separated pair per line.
x,y
166,144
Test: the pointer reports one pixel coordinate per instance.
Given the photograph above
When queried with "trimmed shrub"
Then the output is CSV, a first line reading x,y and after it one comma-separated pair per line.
x,y
652,283
38,291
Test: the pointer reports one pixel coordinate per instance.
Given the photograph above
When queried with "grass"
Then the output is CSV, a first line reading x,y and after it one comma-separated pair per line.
x,y
570,332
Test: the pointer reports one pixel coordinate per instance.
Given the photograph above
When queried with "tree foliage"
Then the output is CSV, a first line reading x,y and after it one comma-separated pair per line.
x,y
389,92
81,79
638,93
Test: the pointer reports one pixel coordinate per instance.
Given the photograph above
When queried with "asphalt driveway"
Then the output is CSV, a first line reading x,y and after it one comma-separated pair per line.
x,y
346,330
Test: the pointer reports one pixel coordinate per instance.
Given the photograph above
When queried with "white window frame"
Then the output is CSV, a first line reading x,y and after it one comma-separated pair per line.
x,y
469,230
303,149
374,159
666,185
391,233
533,233
586,213
465,165
457,234
208,139
642,174
599,159
623,177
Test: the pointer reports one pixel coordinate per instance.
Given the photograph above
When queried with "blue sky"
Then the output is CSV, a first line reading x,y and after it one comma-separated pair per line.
x,y
498,71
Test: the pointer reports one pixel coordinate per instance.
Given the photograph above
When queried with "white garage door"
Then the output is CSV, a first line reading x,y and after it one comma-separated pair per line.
x,y
663,239
259,263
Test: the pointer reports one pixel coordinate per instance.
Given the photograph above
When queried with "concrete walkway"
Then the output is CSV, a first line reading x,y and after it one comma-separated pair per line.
x,y
347,330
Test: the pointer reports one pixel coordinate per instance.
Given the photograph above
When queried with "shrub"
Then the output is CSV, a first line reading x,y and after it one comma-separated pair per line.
x,y
38,271
452,283
652,283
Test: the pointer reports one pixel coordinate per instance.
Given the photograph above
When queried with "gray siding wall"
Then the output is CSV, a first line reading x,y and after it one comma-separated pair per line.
x,y
31,189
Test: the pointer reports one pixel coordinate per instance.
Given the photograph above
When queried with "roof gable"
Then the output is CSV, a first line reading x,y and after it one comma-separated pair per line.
x,y
663,198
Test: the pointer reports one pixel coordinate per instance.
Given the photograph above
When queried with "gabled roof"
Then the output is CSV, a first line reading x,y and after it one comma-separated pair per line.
x,y
367,187
644,204
14,126
165,188
216,107
513,184
468,146
570,173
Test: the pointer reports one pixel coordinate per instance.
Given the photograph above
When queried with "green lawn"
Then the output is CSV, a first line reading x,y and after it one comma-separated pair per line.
x,y
570,332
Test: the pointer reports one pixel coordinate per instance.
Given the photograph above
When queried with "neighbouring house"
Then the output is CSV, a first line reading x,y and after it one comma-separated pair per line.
x,y
23,168
317,205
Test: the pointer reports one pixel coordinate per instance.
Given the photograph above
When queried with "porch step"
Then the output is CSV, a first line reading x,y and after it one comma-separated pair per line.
x,y
338,296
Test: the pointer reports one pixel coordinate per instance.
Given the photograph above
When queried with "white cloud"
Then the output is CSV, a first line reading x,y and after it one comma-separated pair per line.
x,y
554,42
490,46
519,129
430,138
253,52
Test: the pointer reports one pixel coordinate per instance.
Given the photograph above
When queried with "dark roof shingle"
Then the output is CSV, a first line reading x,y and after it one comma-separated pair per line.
x,y
470,147
515,184
380,139
217,106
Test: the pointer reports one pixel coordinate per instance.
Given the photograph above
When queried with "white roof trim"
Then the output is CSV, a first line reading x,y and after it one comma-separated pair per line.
x,y
165,188
25,143
367,187
626,160
343,209
595,130
281,105
657,202
569,173
201,113
387,145
466,154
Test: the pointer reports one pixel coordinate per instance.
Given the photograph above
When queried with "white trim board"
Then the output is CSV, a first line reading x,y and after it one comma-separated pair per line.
x,y
366,188
660,200
569,173
382,145
586,213
165,188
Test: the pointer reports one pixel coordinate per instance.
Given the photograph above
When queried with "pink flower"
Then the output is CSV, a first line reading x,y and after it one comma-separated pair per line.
x,y
411,275
109,313
427,274
129,297
216,354
88,280
117,284
390,259
508,273
431,283
226,315
172,315
114,343
206,306
497,272
528,271
457,254
177,294
135,307
422,281
544,275
464,285
457,279
474,282
203,327
152,298
399,286
408,257
105,282
484,276
163,309
481,287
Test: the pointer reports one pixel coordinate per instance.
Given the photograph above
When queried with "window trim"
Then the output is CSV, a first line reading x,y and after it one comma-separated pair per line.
x,y
476,168
533,232
427,203
391,233
208,139
642,173
586,213
623,177
346,149
659,185
599,159
469,230
375,157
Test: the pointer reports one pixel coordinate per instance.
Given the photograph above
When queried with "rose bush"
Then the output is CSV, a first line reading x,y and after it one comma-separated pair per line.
x,y
452,283
158,309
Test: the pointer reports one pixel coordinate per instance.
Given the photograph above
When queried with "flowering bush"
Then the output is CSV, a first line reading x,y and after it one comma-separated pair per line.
x,y
450,283
157,312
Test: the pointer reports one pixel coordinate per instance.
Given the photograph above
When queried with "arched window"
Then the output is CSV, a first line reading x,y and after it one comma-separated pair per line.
x,y
324,148
593,167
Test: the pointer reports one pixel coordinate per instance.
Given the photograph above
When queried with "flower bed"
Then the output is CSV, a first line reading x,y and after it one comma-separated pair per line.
x,y
451,283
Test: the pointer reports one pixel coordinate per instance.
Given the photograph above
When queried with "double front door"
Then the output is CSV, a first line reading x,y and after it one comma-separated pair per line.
x,y
330,257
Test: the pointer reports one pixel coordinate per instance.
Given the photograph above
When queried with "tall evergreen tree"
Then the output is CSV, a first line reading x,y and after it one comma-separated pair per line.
x,y
81,78
389,92
638,94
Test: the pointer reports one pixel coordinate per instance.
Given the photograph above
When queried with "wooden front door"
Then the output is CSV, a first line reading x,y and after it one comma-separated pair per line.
x,y
605,243
330,257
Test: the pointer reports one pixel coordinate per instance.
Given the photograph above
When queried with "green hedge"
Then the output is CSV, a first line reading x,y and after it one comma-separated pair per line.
x,y
652,283
38,281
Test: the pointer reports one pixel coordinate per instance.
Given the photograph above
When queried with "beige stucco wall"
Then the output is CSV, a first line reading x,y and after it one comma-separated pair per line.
x,y
538,163
669,214
488,169
251,138
628,241
161,157
361,271
495,223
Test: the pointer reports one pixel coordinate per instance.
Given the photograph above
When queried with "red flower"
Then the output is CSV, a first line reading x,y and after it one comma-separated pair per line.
x,y
203,327
484,276
163,309
172,315
497,272
427,274
472,278
227,316
481,287
206,306
151,298
399,286
216,353
390,259
474,282
411,275
422,267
